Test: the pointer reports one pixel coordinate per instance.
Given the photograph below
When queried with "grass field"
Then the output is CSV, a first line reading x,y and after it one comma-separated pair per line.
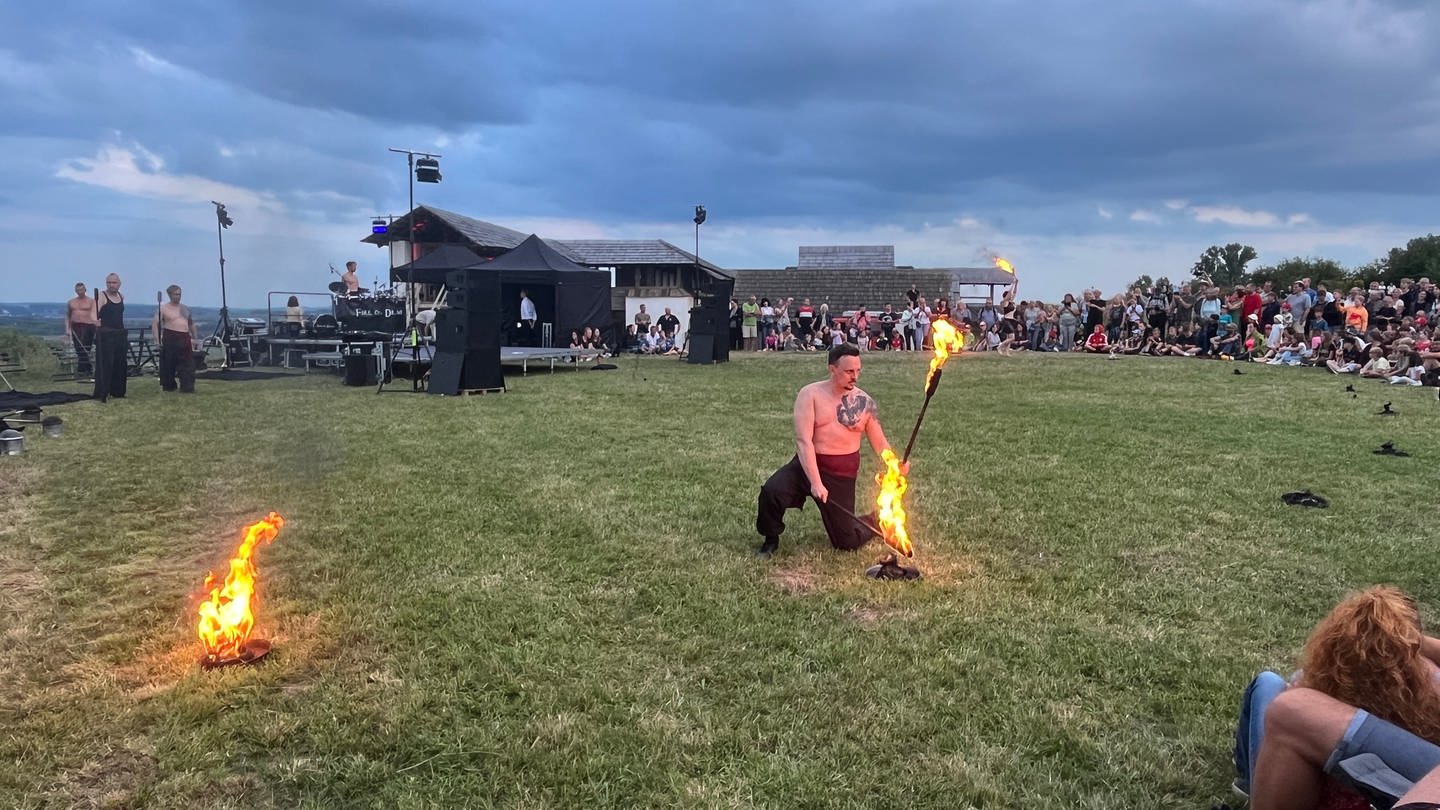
x,y
547,599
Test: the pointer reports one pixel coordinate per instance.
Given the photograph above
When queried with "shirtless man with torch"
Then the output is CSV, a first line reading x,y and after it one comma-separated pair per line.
x,y
831,416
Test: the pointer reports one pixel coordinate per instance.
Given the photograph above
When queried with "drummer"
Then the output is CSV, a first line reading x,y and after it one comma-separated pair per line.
x,y
351,279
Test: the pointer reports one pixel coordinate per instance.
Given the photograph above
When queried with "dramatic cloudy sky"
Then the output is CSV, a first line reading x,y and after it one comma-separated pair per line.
x,y
1086,142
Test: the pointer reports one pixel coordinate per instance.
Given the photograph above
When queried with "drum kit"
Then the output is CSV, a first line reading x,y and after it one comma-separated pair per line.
x,y
362,311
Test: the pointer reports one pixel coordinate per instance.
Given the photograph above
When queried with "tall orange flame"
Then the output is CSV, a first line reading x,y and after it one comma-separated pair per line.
x,y
947,340
889,504
1004,265
226,617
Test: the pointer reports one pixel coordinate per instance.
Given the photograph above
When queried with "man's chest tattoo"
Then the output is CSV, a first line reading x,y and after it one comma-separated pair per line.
x,y
851,409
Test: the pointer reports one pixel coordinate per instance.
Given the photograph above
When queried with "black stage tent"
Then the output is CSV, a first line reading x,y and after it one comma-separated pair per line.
x,y
568,295
432,267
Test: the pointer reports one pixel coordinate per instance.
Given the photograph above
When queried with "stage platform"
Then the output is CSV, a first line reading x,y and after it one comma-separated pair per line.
x,y
523,356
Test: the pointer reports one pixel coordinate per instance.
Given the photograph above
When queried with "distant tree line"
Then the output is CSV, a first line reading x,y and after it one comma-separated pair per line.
x,y
1229,265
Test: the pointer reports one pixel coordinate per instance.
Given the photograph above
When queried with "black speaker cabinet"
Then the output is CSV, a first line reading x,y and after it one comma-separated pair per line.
x,y
473,291
702,349
460,331
709,321
453,372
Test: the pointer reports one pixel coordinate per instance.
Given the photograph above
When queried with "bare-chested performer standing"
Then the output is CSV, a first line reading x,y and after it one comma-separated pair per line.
x,y
830,417
176,334
80,326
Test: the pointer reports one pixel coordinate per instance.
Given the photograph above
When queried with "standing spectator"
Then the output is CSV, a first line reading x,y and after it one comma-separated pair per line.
x,y
749,321
1157,309
767,321
861,322
1115,319
669,324
1251,304
736,319
922,323
822,313
1210,304
912,295
80,324
1094,309
1299,301
907,327
989,315
1067,321
642,321
805,319
942,309
1357,317
888,319
1182,308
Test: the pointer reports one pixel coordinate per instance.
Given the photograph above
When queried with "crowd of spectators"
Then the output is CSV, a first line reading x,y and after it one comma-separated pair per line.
x,y
1378,331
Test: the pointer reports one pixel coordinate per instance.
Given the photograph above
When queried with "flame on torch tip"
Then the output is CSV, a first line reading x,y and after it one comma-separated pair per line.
x,y
889,505
947,340
1004,265
225,619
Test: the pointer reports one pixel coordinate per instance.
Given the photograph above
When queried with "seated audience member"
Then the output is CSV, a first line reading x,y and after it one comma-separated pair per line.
x,y
1361,718
1153,344
1098,342
787,341
633,342
597,342
575,342
1290,352
1378,367
1349,356
1129,343
1227,342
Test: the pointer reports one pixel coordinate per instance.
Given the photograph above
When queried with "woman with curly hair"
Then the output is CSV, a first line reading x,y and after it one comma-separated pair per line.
x,y
1367,686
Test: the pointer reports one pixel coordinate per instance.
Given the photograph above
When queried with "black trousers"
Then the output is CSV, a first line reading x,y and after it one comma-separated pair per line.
x,y
83,336
788,488
112,363
176,358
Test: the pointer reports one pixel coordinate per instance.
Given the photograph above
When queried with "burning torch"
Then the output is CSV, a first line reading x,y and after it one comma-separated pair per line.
x,y
889,504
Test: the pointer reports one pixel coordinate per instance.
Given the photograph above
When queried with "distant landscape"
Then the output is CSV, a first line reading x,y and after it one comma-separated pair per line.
x,y
46,319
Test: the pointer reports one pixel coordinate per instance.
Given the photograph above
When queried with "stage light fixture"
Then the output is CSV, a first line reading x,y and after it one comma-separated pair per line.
x,y
427,170
699,215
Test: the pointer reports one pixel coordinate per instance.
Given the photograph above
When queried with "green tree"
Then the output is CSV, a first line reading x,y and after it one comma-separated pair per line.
x,y
1420,258
1224,266
1288,271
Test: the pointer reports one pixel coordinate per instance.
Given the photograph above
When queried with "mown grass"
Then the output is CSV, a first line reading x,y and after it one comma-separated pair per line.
x,y
546,598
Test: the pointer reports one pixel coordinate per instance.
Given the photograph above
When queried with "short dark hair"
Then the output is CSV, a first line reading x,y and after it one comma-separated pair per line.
x,y
843,350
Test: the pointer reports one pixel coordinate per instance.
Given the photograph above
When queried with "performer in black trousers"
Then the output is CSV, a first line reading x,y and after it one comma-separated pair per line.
x,y
112,344
175,334
831,417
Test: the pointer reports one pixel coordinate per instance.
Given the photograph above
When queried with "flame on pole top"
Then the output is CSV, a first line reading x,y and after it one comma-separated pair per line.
x,y
1004,265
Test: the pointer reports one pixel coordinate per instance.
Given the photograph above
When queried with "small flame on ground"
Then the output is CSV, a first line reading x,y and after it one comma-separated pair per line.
x,y
947,340
226,618
1004,265
889,504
